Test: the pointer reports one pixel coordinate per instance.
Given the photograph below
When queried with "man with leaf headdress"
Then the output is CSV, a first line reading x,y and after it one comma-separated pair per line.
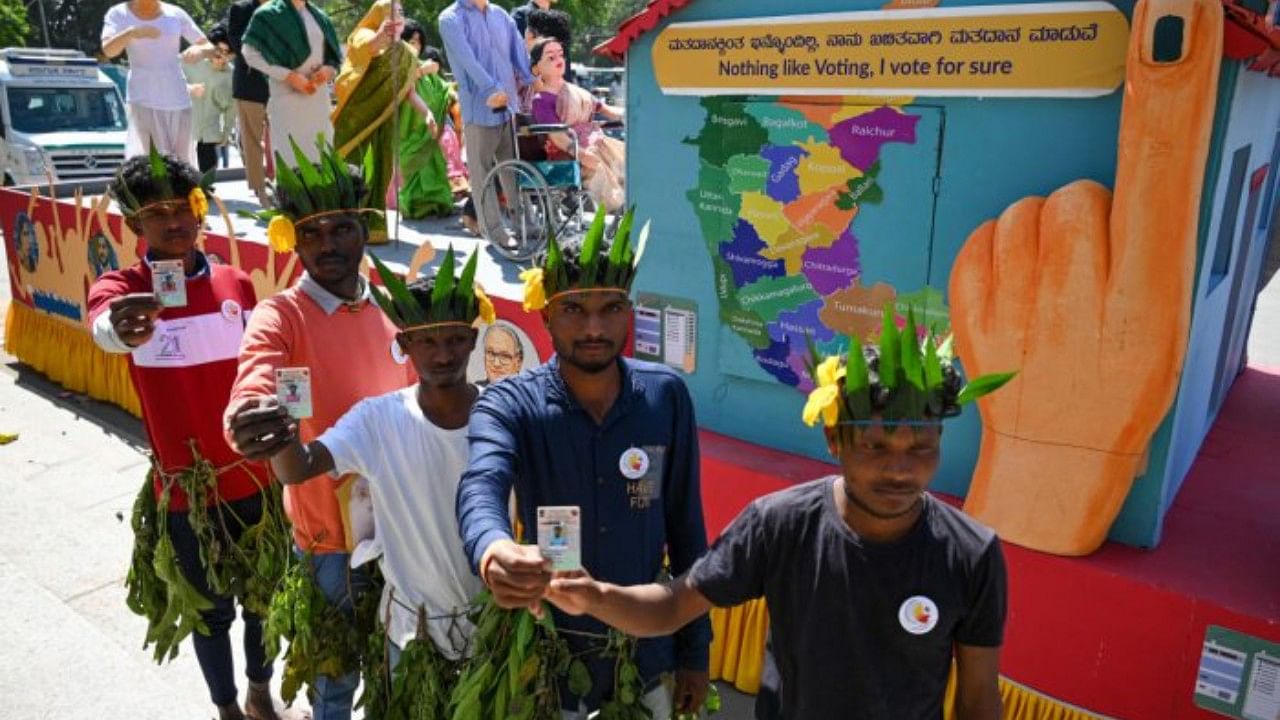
x,y
874,587
328,324
411,445
182,360
613,436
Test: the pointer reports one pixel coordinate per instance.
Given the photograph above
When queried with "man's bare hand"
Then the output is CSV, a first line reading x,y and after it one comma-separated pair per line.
x,y
517,575
691,691
133,317
261,427
575,593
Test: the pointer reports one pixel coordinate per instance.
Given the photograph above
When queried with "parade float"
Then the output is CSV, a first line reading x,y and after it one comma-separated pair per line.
x,y
1082,190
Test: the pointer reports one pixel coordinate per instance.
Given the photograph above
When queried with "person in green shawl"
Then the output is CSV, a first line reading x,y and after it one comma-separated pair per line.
x,y
377,81
294,44
425,189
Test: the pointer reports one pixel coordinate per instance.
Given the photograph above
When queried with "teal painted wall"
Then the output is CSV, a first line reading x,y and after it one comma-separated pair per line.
x,y
1249,117
993,152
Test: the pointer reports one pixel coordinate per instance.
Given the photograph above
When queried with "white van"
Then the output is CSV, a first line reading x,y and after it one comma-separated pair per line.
x,y
60,115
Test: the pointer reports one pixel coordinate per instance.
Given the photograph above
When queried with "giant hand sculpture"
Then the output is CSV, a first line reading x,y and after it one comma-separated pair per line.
x,y
1089,297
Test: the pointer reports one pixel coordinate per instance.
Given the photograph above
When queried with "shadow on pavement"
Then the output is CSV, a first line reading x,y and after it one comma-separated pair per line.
x,y
111,419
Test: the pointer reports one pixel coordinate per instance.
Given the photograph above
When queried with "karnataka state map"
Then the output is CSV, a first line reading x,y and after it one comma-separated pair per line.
x,y
779,189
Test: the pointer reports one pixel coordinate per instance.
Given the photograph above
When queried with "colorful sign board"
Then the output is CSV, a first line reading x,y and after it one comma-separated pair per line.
x,y
1067,49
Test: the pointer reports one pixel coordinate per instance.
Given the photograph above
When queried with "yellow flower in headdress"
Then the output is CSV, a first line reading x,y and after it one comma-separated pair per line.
x,y
281,234
824,400
535,293
199,203
487,313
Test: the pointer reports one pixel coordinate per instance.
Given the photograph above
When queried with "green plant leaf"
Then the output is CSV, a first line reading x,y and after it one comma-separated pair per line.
x,y
554,269
467,284
288,180
410,311
932,364
633,261
910,358
579,678
384,302
813,359
616,271
320,191
889,345
443,291
335,170
129,203
207,180
590,259
160,173
857,382
984,385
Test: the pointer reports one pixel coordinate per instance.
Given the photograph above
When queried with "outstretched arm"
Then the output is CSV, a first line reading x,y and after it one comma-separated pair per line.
x,y
652,610
298,463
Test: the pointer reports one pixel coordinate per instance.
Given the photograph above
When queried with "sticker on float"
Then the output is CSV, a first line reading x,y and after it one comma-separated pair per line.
x,y
666,331
1239,675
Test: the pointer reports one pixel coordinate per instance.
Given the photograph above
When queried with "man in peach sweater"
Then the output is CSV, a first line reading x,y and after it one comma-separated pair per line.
x,y
327,324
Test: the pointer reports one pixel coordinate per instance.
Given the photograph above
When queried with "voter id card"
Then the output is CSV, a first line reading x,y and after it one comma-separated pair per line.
x,y
560,537
293,390
169,280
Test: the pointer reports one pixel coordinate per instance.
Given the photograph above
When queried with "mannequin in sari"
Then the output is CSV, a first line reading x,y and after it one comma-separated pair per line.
x,y
558,101
424,170
378,78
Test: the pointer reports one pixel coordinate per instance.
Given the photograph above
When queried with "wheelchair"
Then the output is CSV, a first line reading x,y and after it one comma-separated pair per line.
x,y
535,197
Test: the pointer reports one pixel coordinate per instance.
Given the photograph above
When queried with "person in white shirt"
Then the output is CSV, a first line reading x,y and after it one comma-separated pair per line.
x,y
158,102
412,447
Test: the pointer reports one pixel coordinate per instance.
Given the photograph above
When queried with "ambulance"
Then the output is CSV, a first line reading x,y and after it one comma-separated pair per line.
x,y
61,118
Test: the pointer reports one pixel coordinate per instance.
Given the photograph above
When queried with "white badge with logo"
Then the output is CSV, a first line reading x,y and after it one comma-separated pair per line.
x,y
397,353
231,311
634,463
918,615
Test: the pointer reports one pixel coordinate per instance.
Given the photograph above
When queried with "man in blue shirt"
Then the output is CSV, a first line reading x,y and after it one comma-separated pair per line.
x,y
489,61
613,436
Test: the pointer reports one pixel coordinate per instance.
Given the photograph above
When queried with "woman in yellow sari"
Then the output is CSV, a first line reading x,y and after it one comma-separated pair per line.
x,y
377,78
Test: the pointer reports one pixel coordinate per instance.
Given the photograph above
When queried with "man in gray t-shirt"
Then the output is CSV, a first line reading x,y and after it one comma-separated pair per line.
x,y
873,585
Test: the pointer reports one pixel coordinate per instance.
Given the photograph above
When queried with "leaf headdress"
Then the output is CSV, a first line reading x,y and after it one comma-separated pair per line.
x,y
131,206
454,300
313,190
614,270
901,379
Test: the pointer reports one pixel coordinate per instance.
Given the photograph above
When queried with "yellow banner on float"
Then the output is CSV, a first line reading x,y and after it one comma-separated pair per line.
x,y
1065,49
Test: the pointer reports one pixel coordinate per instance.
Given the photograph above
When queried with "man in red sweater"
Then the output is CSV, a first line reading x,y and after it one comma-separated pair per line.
x,y
327,324
182,359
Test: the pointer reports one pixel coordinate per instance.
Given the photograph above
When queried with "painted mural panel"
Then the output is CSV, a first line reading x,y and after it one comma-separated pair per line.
x,y
782,185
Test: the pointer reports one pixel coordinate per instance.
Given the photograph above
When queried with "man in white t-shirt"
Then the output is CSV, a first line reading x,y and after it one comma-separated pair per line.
x,y
412,447
159,103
